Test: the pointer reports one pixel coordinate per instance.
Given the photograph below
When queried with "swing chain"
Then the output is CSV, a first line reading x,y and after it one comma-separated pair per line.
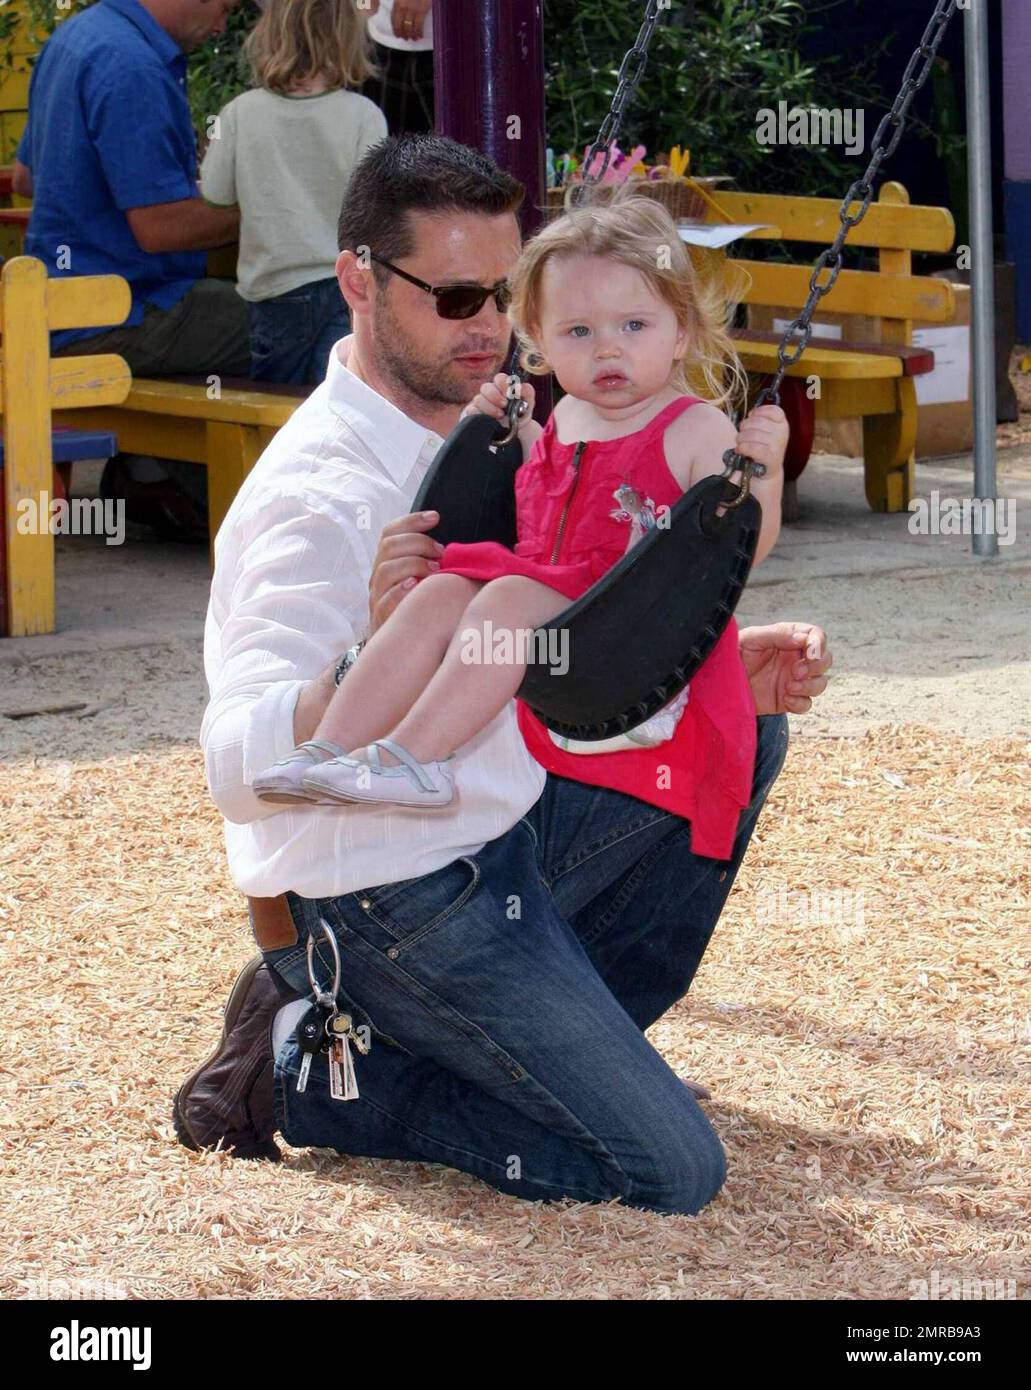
x,y
796,336
631,70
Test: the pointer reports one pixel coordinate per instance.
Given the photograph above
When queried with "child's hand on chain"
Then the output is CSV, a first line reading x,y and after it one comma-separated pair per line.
x,y
763,436
493,399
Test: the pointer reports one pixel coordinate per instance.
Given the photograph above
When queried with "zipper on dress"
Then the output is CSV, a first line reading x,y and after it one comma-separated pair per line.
x,y
577,455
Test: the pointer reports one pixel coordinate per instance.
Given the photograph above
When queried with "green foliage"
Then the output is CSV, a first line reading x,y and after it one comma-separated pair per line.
x,y
706,78
218,71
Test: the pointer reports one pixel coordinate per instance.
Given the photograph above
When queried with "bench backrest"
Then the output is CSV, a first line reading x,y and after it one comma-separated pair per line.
x,y
891,225
31,386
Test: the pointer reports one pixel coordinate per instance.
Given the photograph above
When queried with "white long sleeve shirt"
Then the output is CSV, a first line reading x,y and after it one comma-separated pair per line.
x,y
293,560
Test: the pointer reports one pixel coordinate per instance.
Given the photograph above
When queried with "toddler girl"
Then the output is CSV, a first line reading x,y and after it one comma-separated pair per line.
x,y
607,298
284,152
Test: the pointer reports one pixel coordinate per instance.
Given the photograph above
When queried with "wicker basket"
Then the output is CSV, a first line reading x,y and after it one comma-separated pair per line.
x,y
677,195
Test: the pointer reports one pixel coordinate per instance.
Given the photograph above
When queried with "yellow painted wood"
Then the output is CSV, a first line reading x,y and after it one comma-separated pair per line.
x,y
170,437
14,91
888,452
27,465
173,398
845,400
31,385
889,442
822,362
896,262
12,124
83,381
232,451
886,223
854,292
87,301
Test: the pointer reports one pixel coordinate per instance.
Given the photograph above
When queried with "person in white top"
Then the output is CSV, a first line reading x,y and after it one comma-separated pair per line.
x,y
402,35
402,24
497,966
283,153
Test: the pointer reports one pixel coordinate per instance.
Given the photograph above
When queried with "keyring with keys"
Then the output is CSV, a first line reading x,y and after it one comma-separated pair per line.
x,y
323,1027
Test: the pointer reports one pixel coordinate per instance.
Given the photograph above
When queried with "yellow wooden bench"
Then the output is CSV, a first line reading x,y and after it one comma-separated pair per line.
x,y
32,385
855,379
217,425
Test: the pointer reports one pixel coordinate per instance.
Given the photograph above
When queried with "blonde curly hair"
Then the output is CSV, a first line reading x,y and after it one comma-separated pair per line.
x,y
638,232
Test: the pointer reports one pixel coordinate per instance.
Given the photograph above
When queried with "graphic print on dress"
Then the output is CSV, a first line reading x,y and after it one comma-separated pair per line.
x,y
640,514
662,725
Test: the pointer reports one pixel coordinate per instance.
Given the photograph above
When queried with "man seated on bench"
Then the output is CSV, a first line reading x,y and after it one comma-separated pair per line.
x,y
109,157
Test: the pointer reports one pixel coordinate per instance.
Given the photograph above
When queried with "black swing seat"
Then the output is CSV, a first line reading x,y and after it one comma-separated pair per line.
x,y
626,647
472,486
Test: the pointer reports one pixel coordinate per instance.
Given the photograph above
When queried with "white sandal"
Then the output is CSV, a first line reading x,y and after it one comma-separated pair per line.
x,y
282,783
410,783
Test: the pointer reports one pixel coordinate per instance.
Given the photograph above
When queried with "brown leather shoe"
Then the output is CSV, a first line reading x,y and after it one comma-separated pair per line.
x,y
227,1102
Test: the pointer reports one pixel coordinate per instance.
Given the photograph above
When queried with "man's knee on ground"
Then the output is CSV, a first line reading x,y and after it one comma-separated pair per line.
x,y
684,1180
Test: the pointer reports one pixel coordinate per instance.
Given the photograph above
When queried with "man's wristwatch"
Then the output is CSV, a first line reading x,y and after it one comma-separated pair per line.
x,y
347,661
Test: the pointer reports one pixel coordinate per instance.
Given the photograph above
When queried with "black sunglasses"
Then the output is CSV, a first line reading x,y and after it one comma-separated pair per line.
x,y
455,301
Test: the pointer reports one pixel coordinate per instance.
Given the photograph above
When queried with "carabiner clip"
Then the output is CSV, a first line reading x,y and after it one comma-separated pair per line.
x,y
514,412
321,996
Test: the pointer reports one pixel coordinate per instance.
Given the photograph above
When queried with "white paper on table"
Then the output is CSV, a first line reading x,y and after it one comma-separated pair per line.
x,y
950,379
717,234
820,330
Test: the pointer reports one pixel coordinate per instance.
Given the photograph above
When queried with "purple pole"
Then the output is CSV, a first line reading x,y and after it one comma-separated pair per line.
x,y
1016,97
488,79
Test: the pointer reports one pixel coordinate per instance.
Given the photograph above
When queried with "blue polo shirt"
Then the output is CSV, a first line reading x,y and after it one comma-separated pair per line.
x,y
109,129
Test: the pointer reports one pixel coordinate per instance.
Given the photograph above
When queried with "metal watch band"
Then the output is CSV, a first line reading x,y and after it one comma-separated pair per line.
x,y
347,661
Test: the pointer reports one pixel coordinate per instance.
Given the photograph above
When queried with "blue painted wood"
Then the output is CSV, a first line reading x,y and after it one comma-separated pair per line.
x,y
69,445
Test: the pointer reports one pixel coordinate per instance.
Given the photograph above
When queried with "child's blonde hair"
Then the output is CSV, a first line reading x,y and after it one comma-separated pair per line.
x,y
637,231
295,40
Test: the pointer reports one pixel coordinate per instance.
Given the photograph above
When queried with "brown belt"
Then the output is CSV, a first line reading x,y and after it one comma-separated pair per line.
x,y
271,923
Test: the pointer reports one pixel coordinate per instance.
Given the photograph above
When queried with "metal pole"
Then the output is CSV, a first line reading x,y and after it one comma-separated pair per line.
x,y
982,280
488,78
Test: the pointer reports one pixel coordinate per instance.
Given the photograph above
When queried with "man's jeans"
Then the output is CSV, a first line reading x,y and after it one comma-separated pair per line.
x,y
507,997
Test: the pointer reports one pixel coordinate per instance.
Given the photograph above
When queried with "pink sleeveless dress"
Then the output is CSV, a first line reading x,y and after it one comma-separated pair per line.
x,y
573,525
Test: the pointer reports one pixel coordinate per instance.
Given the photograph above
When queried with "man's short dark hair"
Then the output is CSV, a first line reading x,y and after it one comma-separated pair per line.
x,y
418,173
